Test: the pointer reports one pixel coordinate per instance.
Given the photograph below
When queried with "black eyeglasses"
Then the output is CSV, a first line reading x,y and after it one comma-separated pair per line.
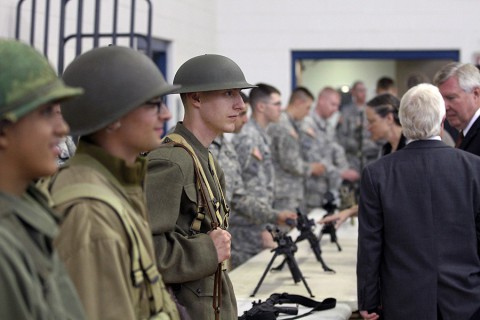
x,y
155,104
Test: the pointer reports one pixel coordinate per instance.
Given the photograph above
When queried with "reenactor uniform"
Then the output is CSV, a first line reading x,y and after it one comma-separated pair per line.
x,y
105,237
186,201
33,281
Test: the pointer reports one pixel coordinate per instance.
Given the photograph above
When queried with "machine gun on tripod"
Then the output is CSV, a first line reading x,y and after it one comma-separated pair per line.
x,y
287,248
329,227
306,227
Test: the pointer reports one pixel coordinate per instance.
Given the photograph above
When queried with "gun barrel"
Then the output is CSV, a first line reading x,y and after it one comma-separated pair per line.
x,y
287,310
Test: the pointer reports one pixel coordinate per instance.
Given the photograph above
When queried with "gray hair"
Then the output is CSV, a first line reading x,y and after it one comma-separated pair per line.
x,y
467,74
422,110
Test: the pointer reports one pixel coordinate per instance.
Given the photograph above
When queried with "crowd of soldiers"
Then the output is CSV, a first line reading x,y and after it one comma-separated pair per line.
x,y
283,159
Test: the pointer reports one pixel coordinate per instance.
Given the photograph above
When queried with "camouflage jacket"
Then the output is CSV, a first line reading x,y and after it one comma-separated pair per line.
x,y
290,168
317,147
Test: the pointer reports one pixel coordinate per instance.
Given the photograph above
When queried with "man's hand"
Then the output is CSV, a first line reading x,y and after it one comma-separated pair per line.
x,y
350,175
284,215
369,316
341,216
317,168
222,241
267,240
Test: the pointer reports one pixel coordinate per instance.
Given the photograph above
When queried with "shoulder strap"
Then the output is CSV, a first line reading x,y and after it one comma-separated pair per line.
x,y
210,202
141,262
213,207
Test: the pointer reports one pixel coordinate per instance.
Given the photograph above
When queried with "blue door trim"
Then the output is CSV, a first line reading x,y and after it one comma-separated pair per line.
x,y
373,54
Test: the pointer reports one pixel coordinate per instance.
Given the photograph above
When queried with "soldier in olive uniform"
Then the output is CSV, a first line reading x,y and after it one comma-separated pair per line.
x,y
33,281
253,149
290,168
188,223
105,238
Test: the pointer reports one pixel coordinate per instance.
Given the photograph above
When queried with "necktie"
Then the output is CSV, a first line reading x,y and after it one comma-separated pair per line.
x,y
459,140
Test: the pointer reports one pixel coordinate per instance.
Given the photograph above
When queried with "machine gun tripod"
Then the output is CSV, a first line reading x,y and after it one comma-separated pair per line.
x,y
329,227
285,247
306,226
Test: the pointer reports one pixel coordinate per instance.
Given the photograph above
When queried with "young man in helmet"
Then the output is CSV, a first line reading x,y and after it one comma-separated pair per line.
x,y
33,281
191,241
105,239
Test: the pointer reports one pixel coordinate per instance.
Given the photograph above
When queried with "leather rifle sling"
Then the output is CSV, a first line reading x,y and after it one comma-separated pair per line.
x,y
202,201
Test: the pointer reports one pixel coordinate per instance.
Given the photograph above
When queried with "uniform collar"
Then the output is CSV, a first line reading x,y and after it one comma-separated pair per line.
x,y
124,173
192,140
32,209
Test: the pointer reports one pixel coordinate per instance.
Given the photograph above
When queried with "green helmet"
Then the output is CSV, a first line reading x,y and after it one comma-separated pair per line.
x,y
210,72
27,81
116,80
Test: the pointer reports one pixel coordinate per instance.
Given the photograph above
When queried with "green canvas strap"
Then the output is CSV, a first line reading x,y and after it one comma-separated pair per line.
x,y
141,263
204,186
213,208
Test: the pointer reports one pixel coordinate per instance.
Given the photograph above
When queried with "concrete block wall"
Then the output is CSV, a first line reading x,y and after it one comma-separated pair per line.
x,y
260,34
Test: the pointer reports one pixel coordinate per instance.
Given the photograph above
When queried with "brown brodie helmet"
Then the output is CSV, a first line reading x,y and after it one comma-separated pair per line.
x,y
210,72
116,80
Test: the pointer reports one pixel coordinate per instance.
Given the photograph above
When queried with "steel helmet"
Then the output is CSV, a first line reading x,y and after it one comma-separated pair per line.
x,y
27,81
116,80
210,72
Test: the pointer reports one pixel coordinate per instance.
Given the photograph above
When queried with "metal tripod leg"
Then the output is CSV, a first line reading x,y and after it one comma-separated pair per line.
x,y
264,274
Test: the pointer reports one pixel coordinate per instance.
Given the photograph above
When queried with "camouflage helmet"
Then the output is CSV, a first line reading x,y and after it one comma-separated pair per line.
x,y
116,80
210,72
27,81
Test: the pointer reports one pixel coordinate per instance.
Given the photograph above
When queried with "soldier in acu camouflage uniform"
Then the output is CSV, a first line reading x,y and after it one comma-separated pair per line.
x,y
253,150
318,146
352,131
290,169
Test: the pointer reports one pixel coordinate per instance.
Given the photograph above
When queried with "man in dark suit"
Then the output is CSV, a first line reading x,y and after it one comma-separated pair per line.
x,y
459,85
419,223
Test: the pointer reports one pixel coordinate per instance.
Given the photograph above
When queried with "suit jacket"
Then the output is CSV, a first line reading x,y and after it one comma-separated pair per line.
x,y
471,142
419,219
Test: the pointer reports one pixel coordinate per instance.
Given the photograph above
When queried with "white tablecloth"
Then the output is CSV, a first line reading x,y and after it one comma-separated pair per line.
x,y
341,285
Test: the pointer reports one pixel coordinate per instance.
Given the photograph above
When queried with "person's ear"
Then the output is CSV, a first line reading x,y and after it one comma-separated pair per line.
x,y
194,98
476,95
390,118
4,127
261,106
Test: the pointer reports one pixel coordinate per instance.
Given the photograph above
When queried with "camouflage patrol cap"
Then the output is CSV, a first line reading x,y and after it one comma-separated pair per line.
x,y
27,81
116,80
210,72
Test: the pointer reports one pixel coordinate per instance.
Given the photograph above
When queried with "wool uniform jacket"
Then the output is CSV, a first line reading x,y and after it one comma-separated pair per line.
x,y
187,259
